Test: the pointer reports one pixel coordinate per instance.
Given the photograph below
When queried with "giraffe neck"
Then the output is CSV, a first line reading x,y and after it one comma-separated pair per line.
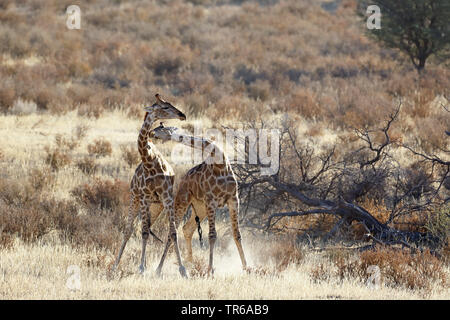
x,y
213,154
144,146
197,143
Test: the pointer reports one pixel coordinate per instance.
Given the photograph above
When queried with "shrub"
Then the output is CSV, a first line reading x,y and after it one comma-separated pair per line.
x,y
438,224
29,223
102,194
100,148
199,268
397,267
196,105
303,101
259,90
320,273
285,254
80,94
57,158
130,155
86,110
21,107
7,96
6,241
40,179
80,132
87,165
15,193
24,213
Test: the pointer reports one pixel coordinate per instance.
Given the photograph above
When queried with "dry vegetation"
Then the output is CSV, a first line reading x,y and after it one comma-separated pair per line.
x,y
71,106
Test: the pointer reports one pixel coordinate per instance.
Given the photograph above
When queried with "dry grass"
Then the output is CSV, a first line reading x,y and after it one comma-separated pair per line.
x,y
42,275
53,219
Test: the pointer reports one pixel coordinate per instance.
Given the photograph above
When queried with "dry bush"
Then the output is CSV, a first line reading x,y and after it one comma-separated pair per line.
x,y
303,102
14,41
21,107
209,50
438,224
261,271
102,194
64,143
30,223
100,148
6,241
25,214
57,158
30,217
95,260
130,155
134,111
61,154
398,268
87,165
80,132
98,231
44,97
196,105
90,110
320,273
260,89
285,254
7,98
15,193
199,268
80,94
40,179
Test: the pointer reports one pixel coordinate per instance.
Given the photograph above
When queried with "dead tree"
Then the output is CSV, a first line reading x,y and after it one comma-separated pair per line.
x,y
312,182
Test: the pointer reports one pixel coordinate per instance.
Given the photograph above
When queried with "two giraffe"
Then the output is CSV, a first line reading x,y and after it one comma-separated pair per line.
x,y
206,187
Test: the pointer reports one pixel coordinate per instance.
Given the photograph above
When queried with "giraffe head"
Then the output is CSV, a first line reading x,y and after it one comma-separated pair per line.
x,y
163,133
163,110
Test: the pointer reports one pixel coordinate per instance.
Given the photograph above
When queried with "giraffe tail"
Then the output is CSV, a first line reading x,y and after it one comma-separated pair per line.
x,y
154,235
199,230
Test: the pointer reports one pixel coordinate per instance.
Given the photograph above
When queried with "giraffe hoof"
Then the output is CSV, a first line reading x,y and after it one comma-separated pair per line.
x,y
141,270
182,270
158,272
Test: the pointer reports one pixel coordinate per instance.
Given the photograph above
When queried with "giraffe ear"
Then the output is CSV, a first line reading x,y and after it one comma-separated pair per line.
x,y
158,98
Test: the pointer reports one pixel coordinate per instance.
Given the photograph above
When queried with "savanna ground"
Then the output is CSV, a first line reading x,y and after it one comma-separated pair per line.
x,y
71,107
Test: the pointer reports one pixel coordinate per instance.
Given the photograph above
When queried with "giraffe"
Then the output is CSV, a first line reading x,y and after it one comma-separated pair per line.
x,y
151,187
207,186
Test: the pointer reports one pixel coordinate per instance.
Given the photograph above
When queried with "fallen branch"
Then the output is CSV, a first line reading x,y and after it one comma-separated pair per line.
x,y
349,212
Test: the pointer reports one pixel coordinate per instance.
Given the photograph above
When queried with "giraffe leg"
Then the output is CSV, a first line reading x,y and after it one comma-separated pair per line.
x,y
145,227
155,210
233,207
149,213
212,236
132,212
166,249
191,225
168,207
188,231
